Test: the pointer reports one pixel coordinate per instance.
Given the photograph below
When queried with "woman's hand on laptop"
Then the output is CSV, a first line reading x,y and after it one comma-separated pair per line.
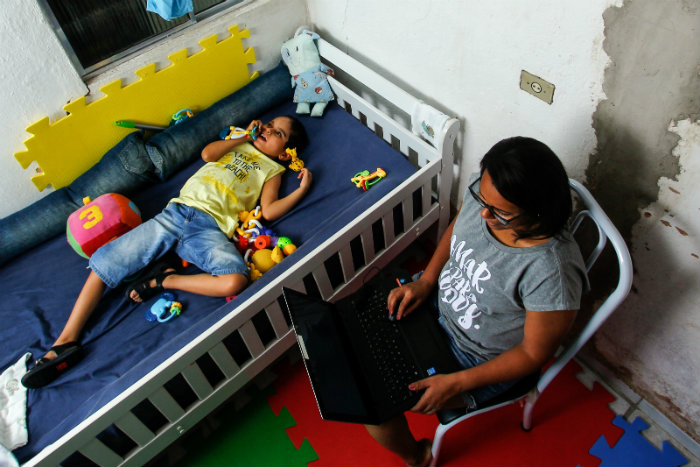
x,y
405,299
439,389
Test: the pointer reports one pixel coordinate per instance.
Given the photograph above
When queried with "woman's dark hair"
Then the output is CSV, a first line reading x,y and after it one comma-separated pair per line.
x,y
528,174
297,137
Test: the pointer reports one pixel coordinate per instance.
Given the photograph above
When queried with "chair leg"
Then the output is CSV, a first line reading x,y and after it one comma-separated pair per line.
x,y
437,442
530,401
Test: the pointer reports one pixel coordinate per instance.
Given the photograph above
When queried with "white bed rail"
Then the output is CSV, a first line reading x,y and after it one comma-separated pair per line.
x,y
259,324
445,137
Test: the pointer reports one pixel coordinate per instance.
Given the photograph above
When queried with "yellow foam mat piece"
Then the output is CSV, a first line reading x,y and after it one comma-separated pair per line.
x,y
71,145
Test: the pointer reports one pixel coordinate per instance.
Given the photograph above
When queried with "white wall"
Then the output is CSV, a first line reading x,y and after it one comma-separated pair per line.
x,y
466,58
38,79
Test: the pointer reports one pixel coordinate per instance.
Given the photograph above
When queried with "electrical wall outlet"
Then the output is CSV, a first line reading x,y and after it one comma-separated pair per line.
x,y
537,86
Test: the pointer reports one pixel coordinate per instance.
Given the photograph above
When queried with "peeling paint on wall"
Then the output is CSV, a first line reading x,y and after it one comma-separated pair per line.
x,y
646,174
646,87
659,327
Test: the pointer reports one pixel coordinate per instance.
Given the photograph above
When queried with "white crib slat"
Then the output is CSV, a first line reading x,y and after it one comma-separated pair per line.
x,y
426,195
387,136
197,381
135,429
346,262
100,454
367,245
365,75
323,282
223,359
276,316
407,207
251,339
166,405
388,226
371,124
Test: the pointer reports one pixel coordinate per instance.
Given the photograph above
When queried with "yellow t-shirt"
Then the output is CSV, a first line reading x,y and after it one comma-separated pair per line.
x,y
230,185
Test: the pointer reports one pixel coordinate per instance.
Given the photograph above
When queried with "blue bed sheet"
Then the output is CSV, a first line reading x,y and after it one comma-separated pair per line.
x,y
40,286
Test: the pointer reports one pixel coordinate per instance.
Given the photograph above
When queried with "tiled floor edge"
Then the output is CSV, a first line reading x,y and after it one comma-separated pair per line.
x,y
621,389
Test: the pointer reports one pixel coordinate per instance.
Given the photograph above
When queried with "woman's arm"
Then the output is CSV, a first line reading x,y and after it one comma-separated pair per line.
x,y
272,206
543,333
404,300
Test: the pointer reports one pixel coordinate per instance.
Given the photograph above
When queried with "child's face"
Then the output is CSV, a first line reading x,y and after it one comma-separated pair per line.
x,y
272,138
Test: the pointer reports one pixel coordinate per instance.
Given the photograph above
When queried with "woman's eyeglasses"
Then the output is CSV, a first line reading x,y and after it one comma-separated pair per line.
x,y
504,219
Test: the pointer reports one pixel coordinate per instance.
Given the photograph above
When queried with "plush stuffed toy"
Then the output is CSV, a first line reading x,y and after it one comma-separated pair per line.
x,y
309,75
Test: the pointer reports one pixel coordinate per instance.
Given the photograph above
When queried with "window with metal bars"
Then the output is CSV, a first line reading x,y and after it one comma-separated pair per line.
x,y
97,33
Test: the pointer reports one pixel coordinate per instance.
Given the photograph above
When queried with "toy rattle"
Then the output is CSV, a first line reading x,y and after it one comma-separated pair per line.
x,y
296,164
230,132
164,309
365,180
180,116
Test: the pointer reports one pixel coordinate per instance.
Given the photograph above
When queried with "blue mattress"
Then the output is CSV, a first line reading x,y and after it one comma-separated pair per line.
x,y
40,286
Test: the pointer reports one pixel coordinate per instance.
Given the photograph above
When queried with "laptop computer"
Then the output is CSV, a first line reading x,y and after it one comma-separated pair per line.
x,y
360,362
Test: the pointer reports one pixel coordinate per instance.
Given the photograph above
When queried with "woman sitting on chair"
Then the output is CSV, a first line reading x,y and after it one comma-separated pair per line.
x,y
509,279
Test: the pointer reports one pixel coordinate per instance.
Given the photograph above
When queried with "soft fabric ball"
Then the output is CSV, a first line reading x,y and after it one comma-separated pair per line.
x,y
101,221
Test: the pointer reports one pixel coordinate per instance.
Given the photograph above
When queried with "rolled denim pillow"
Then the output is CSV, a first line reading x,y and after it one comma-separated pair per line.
x,y
124,169
179,145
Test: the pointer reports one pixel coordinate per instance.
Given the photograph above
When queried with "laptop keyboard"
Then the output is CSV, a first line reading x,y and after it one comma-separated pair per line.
x,y
387,346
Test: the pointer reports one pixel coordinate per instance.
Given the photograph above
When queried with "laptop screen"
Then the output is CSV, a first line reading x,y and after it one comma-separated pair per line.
x,y
329,361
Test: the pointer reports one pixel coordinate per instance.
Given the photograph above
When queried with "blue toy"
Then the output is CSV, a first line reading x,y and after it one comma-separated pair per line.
x,y
180,116
633,449
164,309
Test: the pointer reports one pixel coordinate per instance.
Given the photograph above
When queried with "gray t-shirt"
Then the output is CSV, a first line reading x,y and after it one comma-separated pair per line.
x,y
485,286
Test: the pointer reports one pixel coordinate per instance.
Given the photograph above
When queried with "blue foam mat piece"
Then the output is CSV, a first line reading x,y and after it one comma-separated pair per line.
x,y
634,450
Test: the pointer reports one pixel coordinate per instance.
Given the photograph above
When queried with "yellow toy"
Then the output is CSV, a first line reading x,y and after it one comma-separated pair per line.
x,y
260,247
261,261
249,222
365,179
296,164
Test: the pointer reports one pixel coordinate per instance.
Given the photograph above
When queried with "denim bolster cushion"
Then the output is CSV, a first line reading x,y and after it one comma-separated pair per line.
x,y
175,148
134,164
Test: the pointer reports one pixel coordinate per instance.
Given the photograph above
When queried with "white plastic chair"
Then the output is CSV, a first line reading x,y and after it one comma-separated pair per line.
x,y
606,231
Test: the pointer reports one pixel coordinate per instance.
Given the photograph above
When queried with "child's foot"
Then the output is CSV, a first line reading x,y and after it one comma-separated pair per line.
x,y
426,451
58,359
149,287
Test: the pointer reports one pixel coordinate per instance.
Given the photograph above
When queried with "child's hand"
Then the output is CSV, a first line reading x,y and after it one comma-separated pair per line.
x,y
306,178
253,124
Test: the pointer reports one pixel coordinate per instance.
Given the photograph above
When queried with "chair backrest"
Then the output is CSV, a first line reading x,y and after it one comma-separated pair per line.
x,y
606,232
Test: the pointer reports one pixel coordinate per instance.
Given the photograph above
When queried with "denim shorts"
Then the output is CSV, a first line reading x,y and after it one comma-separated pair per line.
x,y
194,235
477,396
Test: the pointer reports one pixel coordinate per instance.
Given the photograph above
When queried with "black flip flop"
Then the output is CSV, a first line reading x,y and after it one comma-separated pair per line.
x,y
46,370
140,283
143,288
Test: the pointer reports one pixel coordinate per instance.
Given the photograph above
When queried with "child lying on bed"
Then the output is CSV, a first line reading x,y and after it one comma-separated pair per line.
x,y
198,224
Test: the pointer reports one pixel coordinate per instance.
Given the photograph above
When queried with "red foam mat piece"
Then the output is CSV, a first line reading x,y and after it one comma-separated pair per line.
x,y
568,419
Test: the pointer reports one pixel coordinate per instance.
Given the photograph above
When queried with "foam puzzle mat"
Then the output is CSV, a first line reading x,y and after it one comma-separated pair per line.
x,y
633,449
571,426
67,147
251,436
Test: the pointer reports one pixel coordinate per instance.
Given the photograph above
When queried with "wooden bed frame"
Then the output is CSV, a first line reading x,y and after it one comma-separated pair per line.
x,y
431,182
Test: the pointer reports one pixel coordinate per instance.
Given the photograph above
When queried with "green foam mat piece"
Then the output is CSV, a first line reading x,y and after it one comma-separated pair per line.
x,y
250,436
